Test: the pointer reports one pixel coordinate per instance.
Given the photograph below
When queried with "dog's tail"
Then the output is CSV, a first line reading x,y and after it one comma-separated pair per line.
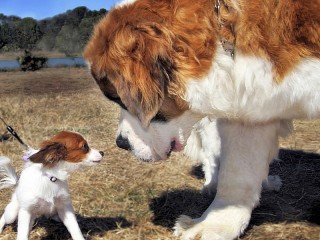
x,y
8,176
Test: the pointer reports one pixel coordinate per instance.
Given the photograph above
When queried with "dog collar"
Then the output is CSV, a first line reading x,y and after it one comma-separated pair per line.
x,y
228,43
51,178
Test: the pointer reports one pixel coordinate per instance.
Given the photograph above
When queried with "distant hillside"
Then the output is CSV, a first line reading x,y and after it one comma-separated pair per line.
x,y
67,32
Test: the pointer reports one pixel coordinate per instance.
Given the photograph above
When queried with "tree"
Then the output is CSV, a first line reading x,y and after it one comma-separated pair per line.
x,y
67,32
87,24
67,40
28,33
75,16
47,42
8,36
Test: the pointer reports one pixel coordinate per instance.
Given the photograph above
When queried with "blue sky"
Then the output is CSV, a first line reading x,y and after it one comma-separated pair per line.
x,y
40,9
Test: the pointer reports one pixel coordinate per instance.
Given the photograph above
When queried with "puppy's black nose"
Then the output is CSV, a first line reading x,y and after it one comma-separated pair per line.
x,y
123,143
102,153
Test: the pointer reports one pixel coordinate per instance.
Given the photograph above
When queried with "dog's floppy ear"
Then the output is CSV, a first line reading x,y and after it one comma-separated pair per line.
x,y
145,98
136,57
50,154
149,71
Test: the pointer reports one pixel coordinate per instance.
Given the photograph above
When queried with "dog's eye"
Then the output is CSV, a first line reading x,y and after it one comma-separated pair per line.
x,y
118,101
85,147
159,118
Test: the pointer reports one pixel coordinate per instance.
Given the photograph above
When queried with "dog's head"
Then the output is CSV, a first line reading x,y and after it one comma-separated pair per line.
x,y
141,55
69,147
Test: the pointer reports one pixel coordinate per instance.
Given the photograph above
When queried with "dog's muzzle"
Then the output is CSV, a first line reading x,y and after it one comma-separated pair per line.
x,y
123,143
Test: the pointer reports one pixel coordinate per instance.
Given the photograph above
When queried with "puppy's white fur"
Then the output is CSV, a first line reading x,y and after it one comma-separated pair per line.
x,y
36,195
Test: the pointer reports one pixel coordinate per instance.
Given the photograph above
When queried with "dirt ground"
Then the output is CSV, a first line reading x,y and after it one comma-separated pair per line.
x,y
124,198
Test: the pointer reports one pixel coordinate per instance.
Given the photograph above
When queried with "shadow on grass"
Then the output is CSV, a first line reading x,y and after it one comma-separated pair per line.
x,y
90,227
170,205
298,199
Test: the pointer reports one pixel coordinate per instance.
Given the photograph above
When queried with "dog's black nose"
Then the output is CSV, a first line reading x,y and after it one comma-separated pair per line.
x,y
102,153
123,143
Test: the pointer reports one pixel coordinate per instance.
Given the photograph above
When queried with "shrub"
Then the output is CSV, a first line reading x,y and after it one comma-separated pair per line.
x,y
28,62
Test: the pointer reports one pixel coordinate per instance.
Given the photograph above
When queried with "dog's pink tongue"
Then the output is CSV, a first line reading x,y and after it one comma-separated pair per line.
x,y
177,147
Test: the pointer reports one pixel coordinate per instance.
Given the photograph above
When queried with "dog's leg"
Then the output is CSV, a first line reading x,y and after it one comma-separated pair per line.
x,y
245,156
210,167
32,220
204,145
2,223
56,218
11,212
67,216
24,219
211,149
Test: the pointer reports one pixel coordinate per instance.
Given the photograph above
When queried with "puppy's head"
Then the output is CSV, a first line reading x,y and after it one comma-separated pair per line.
x,y
66,146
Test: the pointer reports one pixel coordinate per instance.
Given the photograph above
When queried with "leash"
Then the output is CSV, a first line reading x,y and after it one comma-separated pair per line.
x,y
14,134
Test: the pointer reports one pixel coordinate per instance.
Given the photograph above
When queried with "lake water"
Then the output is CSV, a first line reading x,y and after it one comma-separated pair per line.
x,y
52,62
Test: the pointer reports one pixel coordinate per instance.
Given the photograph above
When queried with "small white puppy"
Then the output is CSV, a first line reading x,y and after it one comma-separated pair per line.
x,y
42,188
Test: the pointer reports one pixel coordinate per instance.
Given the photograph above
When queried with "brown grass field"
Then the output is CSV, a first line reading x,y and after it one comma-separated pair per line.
x,y
123,198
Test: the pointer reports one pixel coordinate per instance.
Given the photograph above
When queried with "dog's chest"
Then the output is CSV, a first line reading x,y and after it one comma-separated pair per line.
x,y
40,195
43,207
47,204
245,89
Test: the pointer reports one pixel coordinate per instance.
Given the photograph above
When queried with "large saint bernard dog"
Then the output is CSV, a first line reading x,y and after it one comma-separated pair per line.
x,y
235,72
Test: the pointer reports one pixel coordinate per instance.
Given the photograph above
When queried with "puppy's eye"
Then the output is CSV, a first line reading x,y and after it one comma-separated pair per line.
x,y
85,147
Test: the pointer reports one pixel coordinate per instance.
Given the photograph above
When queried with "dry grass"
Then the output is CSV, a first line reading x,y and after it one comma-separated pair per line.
x,y
124,198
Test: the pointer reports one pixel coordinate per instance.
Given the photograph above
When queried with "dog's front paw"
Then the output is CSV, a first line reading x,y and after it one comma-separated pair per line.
x,y
185,228
215,224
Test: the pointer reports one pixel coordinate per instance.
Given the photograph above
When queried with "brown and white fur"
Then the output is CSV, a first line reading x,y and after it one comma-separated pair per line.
x,y
42,188
164,63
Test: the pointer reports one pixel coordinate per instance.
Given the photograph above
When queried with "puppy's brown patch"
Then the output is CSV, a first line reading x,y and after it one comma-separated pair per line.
x,y
65,146
50,154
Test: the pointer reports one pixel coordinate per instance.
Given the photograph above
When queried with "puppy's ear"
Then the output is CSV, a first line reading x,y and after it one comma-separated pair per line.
x,y
50,154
